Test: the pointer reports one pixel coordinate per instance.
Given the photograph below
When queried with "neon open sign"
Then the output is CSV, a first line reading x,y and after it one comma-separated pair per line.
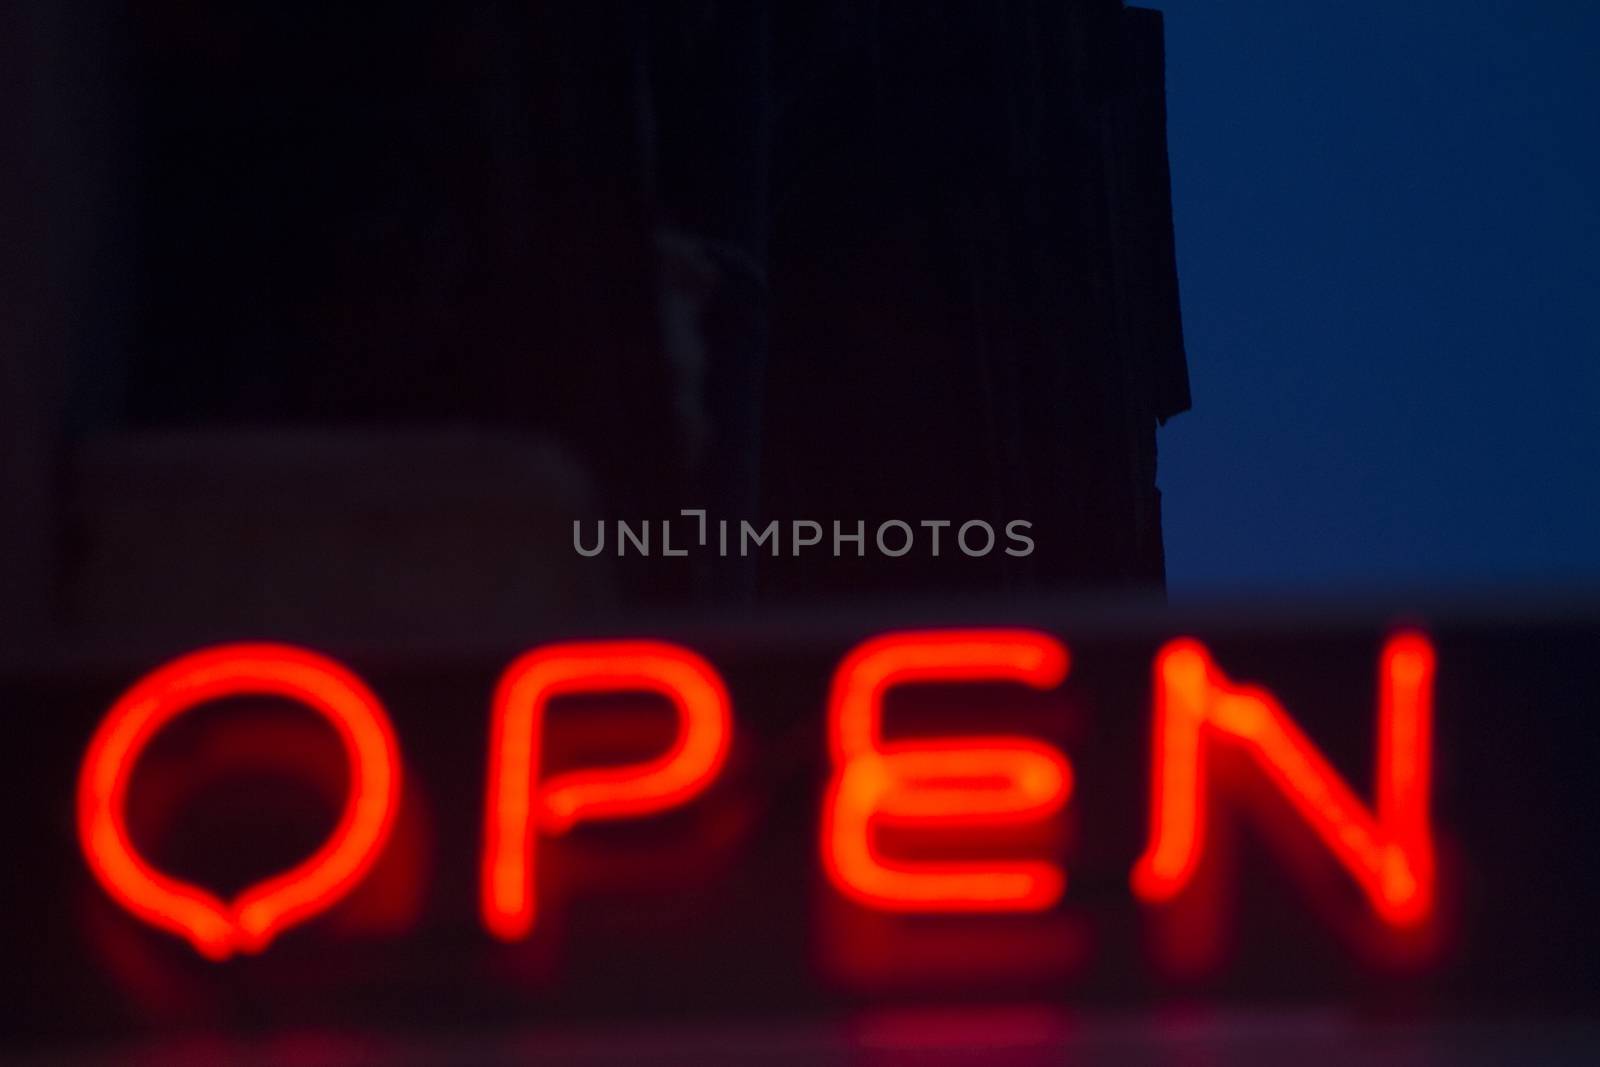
x,y
935,784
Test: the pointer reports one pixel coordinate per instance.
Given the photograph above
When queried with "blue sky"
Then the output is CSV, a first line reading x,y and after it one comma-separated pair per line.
x,y
1388,225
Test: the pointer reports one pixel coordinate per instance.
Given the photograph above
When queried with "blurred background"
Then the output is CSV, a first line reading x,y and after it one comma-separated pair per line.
x,y
340,325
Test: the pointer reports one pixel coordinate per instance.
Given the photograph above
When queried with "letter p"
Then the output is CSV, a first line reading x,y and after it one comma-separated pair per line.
x,y
520,805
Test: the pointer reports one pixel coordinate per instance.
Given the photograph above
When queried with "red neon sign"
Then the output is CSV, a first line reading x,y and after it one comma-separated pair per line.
x,y
962,781
257,915
519,805
934,786
1389,853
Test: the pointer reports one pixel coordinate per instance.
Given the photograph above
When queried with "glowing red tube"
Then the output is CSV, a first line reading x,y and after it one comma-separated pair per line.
x,y
264,910
1390,853
517,800
966,781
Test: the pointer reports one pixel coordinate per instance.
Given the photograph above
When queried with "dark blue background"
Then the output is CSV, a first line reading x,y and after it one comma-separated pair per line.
x,y
1387,222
